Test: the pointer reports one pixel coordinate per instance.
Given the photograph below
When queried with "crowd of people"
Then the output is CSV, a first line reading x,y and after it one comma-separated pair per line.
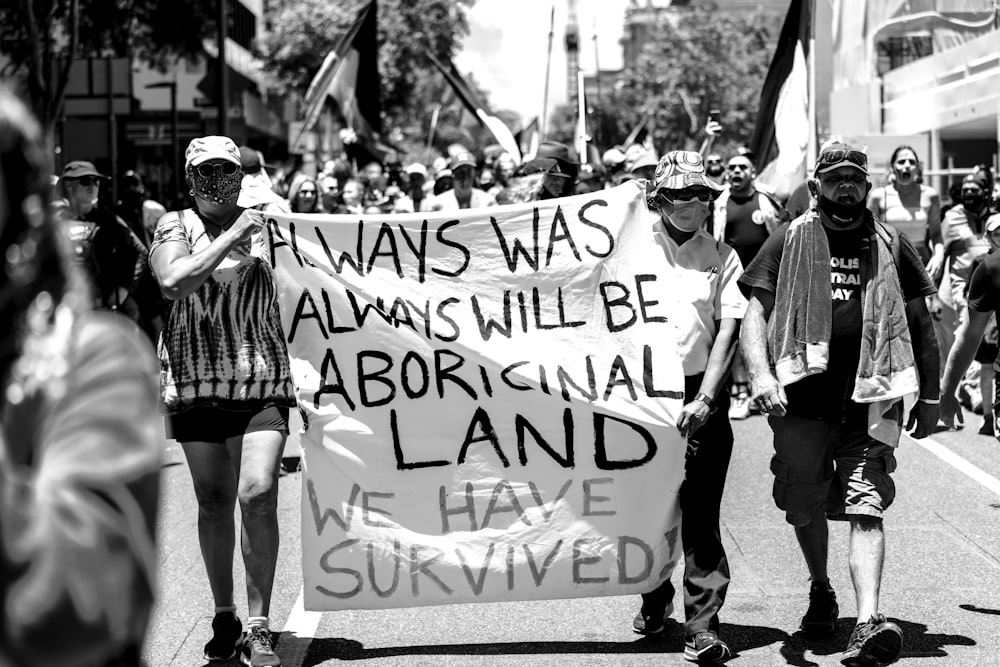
x,y
830,317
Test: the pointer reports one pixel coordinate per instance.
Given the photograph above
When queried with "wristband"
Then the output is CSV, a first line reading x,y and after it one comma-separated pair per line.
x,y
706,399
929,401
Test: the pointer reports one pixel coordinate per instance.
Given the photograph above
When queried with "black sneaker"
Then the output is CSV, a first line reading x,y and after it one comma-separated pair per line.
x,y
821,617
227,635
874,642
258,649
706,648
651,618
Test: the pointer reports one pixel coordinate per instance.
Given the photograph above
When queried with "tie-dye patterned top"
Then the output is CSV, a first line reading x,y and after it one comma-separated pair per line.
x,y
223,344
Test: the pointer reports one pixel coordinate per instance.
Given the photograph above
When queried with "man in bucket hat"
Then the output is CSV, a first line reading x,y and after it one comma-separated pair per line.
x,y
707,318
836,399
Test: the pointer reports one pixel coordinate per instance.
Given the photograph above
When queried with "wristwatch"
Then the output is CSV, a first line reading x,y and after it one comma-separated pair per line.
x,y
706,399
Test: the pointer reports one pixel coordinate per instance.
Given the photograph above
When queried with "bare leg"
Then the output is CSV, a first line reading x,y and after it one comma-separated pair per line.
x,y
867,552
259,455
814,540
215,489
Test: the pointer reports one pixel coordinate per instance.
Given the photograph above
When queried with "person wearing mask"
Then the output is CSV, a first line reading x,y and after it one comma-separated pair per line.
x,y
226,385
552,173
708,318
112,256
414,199
971,339
963,234
463,194
137,209
744,217
836,362
329,193
81,446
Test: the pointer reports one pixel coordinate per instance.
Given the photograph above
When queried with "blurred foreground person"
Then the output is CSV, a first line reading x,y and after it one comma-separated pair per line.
x,y
708,319
226,385
836,360
80,442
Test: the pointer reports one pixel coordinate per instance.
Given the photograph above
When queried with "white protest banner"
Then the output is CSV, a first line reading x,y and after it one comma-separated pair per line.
x,y
490,399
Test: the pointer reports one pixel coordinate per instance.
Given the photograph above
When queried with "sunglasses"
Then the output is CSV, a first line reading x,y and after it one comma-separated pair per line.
x,y
734,167
311,193
660,198
837,179
840,155
88,181
208,169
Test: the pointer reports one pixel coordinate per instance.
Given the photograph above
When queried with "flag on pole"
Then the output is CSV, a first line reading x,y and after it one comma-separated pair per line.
x,y
781,134
528,139
349,74
496,126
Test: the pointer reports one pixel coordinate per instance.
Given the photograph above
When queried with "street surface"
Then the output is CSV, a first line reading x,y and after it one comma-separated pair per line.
x,y
941,581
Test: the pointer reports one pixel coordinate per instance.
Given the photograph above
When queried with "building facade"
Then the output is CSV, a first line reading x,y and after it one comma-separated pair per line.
x,y
924,72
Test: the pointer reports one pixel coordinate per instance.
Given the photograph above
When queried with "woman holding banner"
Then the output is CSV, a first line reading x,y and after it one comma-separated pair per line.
x,y
705,272
225,384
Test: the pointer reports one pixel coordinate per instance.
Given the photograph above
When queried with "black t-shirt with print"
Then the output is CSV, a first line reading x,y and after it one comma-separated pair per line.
x,y
827,395
745,228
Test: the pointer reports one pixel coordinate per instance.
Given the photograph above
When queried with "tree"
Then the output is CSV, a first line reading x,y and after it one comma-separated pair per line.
x,y
43,37
696,59
302,32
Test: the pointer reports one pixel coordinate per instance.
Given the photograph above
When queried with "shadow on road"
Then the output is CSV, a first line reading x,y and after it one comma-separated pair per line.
x,y
740,637
917,643
979,610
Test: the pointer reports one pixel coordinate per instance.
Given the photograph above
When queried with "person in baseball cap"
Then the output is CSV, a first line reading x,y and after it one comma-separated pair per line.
x,y
840,183
214,168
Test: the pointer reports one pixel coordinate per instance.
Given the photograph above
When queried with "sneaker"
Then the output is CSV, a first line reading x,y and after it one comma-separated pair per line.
x,y
740,407
258,649
651,619
821,617
706,648
227,635
874,642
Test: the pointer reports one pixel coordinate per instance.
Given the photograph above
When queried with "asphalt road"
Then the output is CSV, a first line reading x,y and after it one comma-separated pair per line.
x,y
941,582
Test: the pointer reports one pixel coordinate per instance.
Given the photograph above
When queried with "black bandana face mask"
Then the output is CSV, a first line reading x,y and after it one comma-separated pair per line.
x,y
218,188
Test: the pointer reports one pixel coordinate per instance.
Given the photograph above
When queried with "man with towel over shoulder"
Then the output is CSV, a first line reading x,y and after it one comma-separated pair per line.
x,y
840,346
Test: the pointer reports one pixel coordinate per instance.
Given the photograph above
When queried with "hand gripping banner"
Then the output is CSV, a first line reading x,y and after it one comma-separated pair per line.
x,y
489,400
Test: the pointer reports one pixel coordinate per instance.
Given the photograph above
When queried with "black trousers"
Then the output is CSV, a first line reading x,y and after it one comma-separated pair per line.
x,y
706,568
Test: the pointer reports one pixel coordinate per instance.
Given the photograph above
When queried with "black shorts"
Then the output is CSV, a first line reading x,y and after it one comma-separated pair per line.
x,y
210,424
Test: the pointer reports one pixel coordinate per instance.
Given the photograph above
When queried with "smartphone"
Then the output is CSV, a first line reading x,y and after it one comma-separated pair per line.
x,y
714,115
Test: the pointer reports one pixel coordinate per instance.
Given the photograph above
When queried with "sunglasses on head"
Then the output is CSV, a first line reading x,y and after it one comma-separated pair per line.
x,y
208,169
840,155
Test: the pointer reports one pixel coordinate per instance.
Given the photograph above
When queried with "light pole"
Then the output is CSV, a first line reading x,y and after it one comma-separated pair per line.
x,y
174,138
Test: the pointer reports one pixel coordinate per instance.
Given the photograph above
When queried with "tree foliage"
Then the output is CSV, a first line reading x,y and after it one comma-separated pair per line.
x,y
695,59
302,32
44,36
